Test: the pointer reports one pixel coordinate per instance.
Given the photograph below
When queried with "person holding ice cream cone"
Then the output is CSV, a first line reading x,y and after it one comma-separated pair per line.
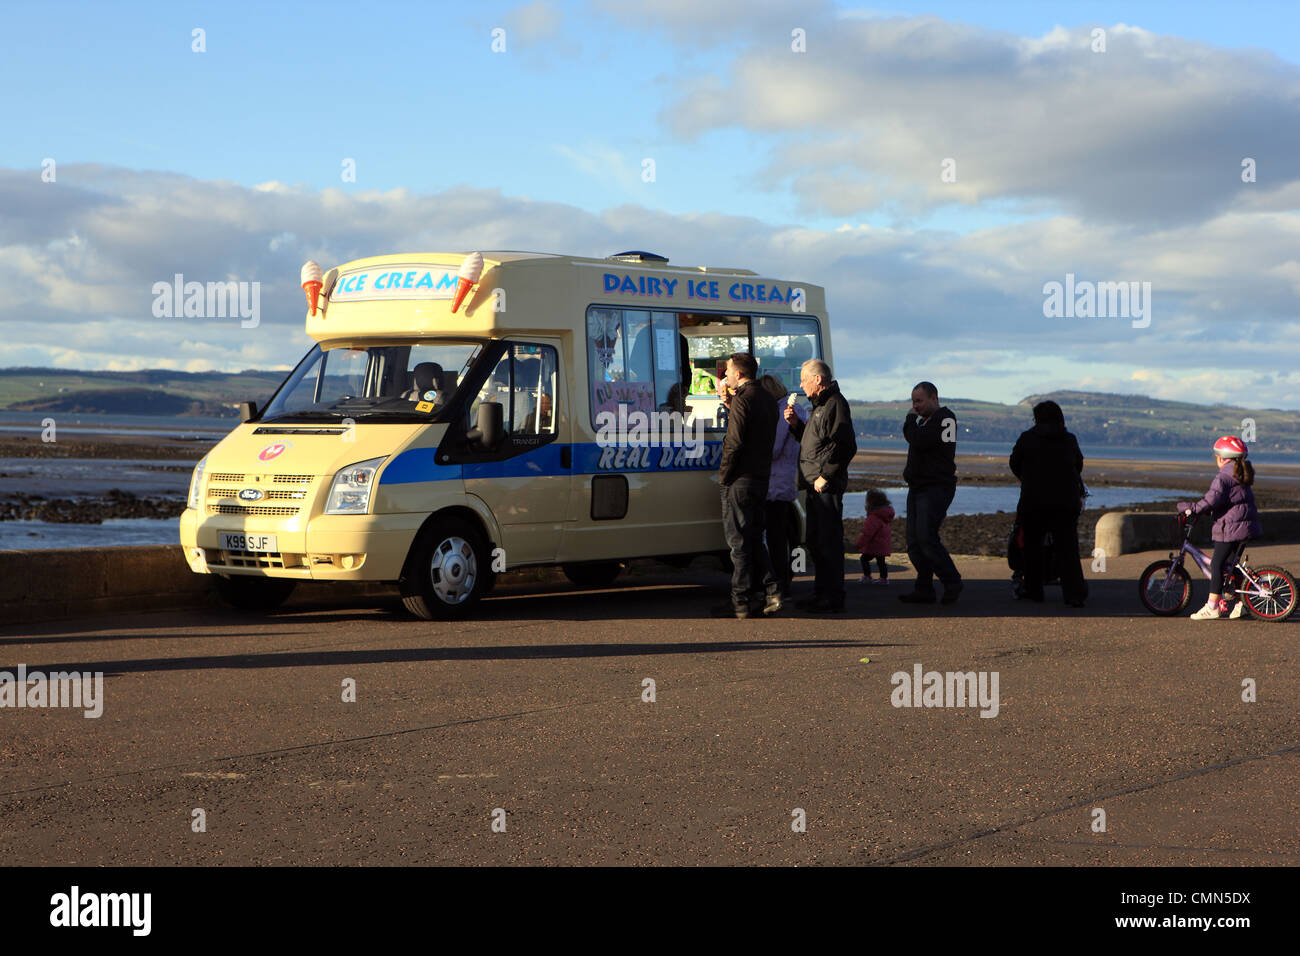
x,y
779,523
827,445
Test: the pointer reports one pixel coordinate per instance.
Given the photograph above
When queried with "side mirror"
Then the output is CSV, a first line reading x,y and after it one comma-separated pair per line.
x,y
247,411
490,427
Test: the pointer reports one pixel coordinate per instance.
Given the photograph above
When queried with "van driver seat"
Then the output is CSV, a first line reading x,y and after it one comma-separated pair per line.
x,y
428,378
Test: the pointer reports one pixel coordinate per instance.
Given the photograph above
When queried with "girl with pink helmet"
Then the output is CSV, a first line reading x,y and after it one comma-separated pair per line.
x,y
1231,502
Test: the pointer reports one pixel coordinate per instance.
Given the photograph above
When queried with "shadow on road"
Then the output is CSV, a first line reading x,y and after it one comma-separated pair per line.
x,y
422,655
659,597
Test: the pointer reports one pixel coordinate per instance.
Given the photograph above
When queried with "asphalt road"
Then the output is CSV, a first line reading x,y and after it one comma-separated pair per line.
x,y
536,708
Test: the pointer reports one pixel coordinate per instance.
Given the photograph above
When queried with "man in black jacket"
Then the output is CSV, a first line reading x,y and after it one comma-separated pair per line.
x,y
742,480
931,476
1049,464
826,446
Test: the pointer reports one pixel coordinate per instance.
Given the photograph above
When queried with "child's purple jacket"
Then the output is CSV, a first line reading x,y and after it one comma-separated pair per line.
x,y
1232,505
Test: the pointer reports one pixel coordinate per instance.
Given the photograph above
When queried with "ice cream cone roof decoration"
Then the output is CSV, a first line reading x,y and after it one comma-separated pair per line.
x,y
311,283
471,270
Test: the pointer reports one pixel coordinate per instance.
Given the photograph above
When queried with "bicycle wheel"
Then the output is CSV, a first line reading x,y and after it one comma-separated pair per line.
x,y
1274,596
1165,588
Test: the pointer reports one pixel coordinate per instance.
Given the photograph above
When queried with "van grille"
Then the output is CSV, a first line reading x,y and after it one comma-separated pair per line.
x,y
251,510
223,494
253,559
237,479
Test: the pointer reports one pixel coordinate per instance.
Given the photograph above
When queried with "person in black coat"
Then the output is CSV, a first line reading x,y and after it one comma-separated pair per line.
x,y
1049,464
743,475
827,444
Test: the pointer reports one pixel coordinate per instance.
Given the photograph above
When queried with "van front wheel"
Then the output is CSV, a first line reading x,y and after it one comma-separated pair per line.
x,y
449,571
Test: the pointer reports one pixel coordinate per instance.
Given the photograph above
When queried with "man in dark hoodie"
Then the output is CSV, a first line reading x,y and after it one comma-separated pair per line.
x,y
826,446
1049,464
931,476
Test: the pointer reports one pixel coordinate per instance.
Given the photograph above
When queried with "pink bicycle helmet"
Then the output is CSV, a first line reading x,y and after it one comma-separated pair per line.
x,y
1230,446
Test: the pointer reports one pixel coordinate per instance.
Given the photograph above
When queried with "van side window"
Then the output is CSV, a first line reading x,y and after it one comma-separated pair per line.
x,y
524,382
495,389
782,345
620,361
535,389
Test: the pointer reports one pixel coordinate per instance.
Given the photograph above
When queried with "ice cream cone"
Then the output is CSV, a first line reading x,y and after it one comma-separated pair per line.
x,y
462,289
470,271
311,283
313,294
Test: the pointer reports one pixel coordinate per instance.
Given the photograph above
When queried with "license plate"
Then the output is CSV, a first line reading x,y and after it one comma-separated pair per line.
x,y
248,542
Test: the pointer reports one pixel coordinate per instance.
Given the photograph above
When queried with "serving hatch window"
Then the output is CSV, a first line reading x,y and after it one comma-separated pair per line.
x,y
672,361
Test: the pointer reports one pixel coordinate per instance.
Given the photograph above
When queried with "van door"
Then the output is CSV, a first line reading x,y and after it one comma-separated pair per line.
x,y
526,482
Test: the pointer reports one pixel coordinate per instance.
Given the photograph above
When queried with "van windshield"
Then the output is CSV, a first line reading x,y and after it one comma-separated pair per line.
x,y
395,383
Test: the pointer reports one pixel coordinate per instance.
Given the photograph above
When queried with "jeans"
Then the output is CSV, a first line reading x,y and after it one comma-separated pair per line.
x,y
926,509
743,504
826,544
780,527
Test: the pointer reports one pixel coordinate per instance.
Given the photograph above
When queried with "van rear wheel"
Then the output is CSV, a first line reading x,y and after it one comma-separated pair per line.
x,y
592,574
247,593
448,572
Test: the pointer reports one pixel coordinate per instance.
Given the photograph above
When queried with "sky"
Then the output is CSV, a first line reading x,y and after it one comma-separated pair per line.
x,y
935,168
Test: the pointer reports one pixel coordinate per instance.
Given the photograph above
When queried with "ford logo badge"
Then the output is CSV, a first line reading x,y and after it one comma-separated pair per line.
x,y
251,494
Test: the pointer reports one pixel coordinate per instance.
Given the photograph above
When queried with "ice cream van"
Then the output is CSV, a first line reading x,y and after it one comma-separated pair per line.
x,y
461,415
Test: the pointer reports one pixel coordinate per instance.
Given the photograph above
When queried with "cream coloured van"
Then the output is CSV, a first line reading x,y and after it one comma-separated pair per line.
x,y
564,413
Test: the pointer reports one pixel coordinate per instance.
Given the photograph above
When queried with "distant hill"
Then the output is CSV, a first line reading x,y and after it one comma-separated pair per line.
x,y
1097,418
149,392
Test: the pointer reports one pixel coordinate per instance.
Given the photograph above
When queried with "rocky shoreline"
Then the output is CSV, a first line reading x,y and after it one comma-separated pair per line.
x,y
113,504
107,446
980,534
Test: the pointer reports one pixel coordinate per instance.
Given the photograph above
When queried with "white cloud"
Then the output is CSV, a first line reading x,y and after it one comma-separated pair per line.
x,y
1152,130
903,304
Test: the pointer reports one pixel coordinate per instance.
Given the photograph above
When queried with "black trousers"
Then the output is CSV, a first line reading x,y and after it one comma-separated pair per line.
x,y
880,564
743,504
1224,559
1063,526
826,544
780,529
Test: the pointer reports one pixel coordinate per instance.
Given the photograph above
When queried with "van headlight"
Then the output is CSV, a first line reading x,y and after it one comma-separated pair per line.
x,y
350,492
196,484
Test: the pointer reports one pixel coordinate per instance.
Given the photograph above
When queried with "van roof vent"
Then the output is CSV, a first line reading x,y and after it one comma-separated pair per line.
x,y
636,256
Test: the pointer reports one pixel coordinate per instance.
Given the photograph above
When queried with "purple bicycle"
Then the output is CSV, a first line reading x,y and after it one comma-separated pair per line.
x,y
1166,588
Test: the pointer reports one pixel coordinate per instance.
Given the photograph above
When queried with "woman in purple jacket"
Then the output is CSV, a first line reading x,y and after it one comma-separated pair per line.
x,y
1231,503
778,516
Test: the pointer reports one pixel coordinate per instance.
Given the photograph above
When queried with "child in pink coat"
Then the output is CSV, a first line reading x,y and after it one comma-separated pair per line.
x,y
874,540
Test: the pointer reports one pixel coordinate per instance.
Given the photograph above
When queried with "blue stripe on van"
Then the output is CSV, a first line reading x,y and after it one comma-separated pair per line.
x,y
419,464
